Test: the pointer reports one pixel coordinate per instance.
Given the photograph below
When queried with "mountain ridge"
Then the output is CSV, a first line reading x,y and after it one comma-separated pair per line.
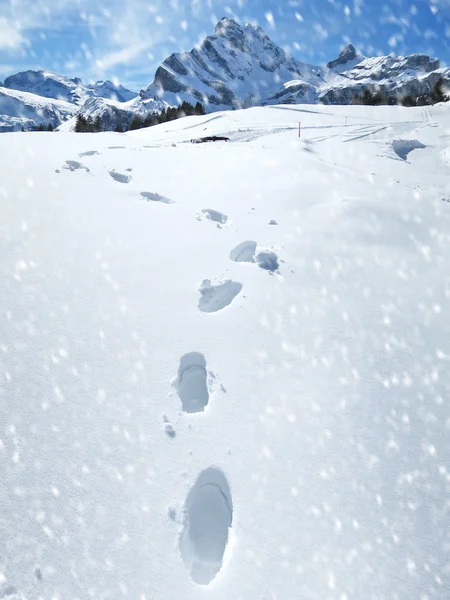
x,y
237,66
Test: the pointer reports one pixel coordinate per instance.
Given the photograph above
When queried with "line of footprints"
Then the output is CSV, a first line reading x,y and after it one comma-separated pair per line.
x,y
208,509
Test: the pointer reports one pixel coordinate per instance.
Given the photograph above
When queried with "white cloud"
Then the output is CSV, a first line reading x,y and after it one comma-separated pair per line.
x,y
123,56
10,36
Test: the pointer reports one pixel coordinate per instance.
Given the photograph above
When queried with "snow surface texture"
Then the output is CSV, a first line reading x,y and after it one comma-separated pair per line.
x,y
334,431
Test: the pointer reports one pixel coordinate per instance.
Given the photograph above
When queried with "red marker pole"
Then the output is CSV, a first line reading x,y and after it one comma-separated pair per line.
x,y
299,127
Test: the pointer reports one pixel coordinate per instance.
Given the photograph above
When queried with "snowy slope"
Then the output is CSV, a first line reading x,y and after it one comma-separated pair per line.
x,y
180,422
22,109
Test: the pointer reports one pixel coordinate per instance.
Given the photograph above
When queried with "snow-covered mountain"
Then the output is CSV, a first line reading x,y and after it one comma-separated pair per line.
x,y
29,98
235,67
239,66
394,76
25,110
53,85
113,113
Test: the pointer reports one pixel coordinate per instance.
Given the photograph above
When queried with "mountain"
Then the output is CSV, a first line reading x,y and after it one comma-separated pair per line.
x,y
393,77
235,67
113,113
48,85
240,66
348,57
25,110
109,90
52,85
45,89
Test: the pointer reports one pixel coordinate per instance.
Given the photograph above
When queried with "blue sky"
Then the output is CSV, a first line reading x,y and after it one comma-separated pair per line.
x,y
127,39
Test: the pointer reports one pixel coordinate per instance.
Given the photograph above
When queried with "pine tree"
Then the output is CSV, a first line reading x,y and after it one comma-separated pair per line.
x,y
41,127
199,110
81,124
50,127
98,124
90,124
119,128
136,123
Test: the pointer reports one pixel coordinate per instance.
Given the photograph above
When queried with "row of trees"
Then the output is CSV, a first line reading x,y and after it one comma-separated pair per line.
x,y
377,97
170,114
41,127
89,125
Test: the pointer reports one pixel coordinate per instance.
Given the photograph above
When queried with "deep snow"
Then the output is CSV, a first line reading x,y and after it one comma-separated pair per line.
x,y
294,443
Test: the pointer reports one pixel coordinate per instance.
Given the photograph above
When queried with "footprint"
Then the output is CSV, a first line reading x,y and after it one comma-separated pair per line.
x,y
9,592
265,259
153,197
192,383
214,297
116,147
215,215
168,427
120,177
273,222
208,516
244,252
89,153
74,165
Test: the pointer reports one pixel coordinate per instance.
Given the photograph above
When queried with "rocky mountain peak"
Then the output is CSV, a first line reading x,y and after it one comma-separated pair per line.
x,y
347,54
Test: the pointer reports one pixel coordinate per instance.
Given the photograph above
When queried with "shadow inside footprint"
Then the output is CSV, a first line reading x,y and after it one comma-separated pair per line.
x,y
120,177
214,297
192,383
89,153
267,260
215,215
154,197
208,516
244,252
74,165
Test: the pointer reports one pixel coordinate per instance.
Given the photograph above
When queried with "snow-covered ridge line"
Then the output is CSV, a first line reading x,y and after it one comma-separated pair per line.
x,y
240,66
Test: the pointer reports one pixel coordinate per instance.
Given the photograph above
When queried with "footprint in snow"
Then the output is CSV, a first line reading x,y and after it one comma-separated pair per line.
x,y
89,153
74,165
9,592
120,177
215,297
267,260
154,197
116,147
191,383
214,215
208,517
247,252
244,252
168,427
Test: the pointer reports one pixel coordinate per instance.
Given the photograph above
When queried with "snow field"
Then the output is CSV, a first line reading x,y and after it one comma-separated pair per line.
x,y
178,422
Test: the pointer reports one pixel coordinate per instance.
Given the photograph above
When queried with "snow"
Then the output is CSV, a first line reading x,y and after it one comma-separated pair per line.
x,y
19,109
293,443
